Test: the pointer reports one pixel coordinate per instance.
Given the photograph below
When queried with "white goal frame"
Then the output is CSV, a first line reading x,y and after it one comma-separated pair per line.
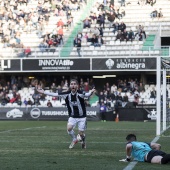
x,y
161,122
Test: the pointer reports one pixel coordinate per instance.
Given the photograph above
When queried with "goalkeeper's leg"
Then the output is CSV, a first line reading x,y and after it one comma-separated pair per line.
x,y
165,159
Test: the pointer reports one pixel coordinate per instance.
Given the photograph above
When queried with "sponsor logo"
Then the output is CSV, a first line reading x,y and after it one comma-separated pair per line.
x,y
109,63
130,63
54,113
5,64
64,113
91,113
35,113
152,114
14,113
54,62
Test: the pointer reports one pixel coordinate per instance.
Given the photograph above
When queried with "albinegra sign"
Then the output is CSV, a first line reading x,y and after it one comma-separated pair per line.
x,y
124,64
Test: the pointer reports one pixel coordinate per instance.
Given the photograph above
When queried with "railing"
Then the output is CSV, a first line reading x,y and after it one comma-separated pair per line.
x,y
88,51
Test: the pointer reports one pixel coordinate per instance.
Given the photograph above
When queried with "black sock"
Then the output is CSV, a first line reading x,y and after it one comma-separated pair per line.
x,y
83,138
165,159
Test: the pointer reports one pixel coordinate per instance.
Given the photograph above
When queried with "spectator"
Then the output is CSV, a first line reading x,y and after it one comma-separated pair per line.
x,y
103,110
101,31
29,102
100,41
131,97
136,100
119,35
49,104
131,35
79,35
124,36
90,35
93,18
87,23
154,14
113,88
60,31
27,51
53,88
101,97
50,42
25,102
75,42
19,102
69,23
125,98
4,99
60,23
119,100
115,27
111,18
101,19
160,14
122,26
153,93
95,31
94,41
122,2
139,29
78,47
42,46
151,2
85,38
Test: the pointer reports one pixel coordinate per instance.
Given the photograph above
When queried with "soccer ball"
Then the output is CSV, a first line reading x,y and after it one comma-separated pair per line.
x,y
79,138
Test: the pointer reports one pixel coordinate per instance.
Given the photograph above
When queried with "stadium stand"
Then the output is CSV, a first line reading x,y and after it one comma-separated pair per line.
x,y
22,35
29,23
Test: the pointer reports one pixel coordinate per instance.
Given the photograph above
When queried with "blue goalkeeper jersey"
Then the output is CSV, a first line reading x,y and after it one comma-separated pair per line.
x,y
139,150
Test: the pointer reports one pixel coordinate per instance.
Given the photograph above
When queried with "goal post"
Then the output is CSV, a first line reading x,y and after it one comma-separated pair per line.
x,y
158,96
163,95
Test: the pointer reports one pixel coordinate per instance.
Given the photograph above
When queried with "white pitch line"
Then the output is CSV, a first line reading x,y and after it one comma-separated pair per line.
x,y
131,165
100,142
5,131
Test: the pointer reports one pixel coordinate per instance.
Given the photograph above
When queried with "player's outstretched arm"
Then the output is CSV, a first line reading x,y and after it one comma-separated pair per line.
x,y
128,153
90,92
155,146
47,93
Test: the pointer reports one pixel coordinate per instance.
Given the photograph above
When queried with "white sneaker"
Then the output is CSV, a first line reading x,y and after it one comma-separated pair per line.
x,y
73,144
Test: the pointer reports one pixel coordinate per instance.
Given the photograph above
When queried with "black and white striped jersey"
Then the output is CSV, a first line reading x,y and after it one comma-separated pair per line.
x,y
74,101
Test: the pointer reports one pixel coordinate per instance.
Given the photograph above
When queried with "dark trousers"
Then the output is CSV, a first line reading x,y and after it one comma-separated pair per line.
x,y
103,115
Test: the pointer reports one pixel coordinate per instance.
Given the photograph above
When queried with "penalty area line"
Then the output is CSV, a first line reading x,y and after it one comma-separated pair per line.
x,y
132,164
6,131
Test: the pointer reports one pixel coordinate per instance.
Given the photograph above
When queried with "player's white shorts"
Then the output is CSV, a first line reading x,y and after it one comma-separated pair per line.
x,y
80,122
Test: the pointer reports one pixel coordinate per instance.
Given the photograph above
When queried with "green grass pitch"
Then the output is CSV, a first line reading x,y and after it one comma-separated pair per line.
x,y
43,145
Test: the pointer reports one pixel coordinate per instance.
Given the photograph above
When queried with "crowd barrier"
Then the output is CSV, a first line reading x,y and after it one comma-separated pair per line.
x,y
61,113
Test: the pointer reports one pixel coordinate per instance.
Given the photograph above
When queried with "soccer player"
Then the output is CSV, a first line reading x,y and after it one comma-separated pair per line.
x,y
144,152
74,99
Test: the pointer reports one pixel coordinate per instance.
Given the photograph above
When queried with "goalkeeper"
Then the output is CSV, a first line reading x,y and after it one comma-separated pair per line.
x,y
144,152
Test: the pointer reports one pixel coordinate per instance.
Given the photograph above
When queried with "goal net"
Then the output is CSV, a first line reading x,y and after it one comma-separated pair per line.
x,y
163,94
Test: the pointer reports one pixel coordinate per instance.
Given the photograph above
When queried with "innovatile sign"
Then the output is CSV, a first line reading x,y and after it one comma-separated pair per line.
x,y
56,64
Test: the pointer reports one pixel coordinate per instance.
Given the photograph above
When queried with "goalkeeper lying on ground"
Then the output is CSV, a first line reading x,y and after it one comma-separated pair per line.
x,y
144,152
